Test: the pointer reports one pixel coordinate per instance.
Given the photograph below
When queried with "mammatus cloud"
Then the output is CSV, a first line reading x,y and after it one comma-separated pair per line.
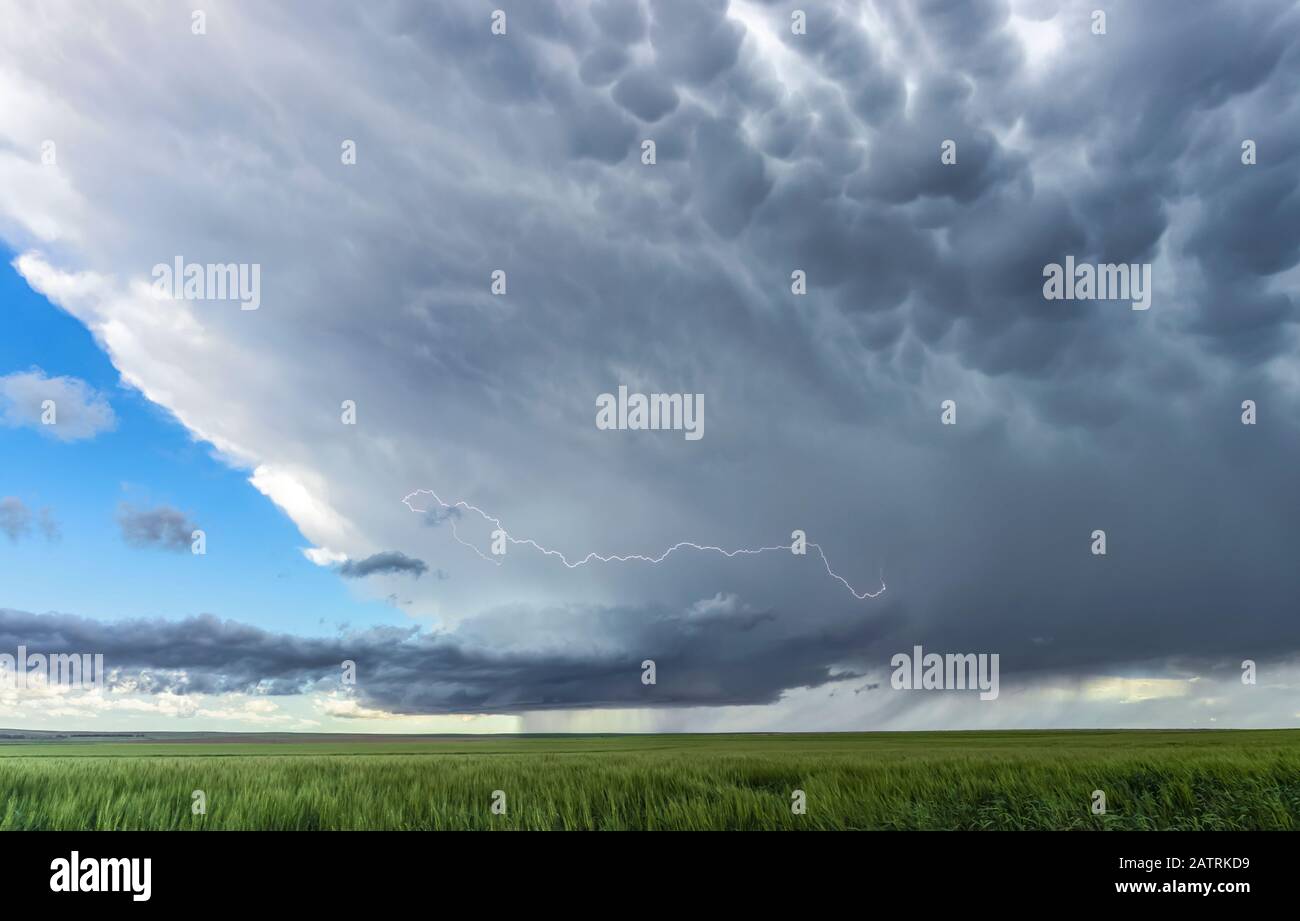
x,y
389,562
64,408
162,527
18,521
776,152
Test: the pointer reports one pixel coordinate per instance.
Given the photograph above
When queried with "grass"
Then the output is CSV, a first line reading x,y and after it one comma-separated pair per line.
x,y
951,780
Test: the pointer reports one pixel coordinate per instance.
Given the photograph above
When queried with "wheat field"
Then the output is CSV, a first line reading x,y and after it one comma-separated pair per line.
x,y
946,780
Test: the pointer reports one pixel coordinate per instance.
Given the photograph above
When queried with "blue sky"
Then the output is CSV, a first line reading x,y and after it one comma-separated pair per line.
x,y
253,571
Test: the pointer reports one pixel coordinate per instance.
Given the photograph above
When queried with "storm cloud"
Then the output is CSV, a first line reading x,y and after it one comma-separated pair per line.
x,y
714,660
775,153
390,562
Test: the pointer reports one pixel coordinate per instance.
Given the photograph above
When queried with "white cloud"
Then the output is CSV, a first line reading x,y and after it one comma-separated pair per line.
x,y
64,408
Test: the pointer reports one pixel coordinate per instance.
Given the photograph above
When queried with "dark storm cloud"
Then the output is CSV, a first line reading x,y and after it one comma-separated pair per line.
x,y
163,527
816,152
603,65
646,95
621,20
722,658
843,50
597,130
388,562
730,178
693,40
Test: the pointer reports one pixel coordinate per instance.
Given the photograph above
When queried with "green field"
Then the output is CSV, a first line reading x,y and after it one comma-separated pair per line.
x,y
948,780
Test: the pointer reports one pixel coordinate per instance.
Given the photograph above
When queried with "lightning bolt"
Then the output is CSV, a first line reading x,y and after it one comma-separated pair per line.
x,y
462,506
